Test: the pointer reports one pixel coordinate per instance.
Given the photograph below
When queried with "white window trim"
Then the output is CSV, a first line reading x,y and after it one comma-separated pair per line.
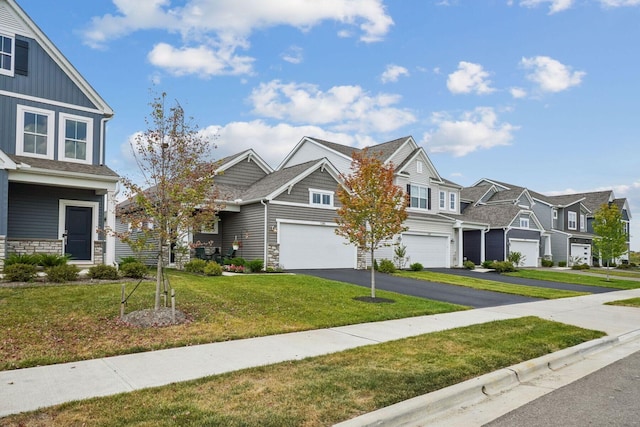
x,y
10,72
524,222
573,221
453,200
62,136
313,191
583,224
426,197
22,109
418,166
62,206
442,199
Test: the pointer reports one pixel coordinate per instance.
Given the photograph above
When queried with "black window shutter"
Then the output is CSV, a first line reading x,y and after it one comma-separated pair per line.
x,y
429,198
409,189
22,57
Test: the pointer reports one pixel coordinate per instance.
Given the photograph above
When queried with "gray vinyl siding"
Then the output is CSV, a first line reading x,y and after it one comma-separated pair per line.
x,y
279,212
123,250
45,79
241,174
401,155
318,180
565,217
544,215
248,227
4,201
33,209
523,234
559,247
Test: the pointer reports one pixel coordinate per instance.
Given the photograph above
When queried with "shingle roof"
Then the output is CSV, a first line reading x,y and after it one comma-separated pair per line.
x,y
275,180
474,194
386,149
340,148
59,166
495,215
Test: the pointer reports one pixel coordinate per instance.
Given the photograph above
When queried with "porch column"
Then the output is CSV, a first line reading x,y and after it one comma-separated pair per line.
x,y
110,224
460,247
482,246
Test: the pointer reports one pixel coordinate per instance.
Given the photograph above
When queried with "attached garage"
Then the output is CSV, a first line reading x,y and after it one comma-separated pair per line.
x,y
528,248
430,251
581,253
313,246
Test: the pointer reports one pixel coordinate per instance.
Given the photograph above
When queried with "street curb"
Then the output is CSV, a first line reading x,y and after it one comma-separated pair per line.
x,y
477,389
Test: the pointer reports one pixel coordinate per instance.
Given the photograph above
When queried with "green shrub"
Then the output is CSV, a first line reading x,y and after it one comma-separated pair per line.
x,y
386,266
624,266
28,259
546,263
580,267
375,264
487,264
62,273
238,261
103,272
195,266
516,258
53,260
135,270
469,265
504,266
255,265
416,266
127,260
562,263
212,268
18,272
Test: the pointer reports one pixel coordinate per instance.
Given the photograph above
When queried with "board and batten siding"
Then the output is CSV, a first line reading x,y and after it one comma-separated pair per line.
x,y
242,173
248,227
34,209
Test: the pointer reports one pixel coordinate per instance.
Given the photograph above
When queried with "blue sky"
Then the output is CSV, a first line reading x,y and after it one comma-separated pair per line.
x,y
539,93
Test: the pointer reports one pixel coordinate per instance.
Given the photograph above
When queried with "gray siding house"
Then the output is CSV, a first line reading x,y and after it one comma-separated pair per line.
x,y
55,190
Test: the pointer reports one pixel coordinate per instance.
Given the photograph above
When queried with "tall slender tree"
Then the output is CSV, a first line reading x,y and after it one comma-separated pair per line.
x,y
373,209
611,235
176,193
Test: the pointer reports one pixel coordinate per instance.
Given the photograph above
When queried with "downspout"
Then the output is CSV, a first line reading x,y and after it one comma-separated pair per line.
x,y
266,236
483,244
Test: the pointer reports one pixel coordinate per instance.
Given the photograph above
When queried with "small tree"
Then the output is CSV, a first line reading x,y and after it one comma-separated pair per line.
x,y
373,209
611,236
177,193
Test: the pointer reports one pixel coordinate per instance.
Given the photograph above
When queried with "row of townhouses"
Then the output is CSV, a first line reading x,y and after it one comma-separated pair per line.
x,y
56,193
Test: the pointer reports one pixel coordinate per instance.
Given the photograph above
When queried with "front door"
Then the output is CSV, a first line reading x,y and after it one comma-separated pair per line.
x,y
78,224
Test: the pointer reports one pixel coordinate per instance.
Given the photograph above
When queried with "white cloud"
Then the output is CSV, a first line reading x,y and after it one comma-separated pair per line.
x,y
474,130
554,6
517,92
341,108
200,60
220,28
619,3
293,55
469,78
392,73
550,74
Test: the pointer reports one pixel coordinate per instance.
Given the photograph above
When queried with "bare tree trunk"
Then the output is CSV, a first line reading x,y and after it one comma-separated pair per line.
x,y
373,276
156,305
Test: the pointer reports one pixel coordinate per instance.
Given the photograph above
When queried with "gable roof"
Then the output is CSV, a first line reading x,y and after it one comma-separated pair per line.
x,y
229,161
20,22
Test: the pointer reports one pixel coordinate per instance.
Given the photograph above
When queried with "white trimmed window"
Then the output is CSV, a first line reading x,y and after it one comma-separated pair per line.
x,y
572,219
35,130
75,139
582,222
419,197
321,198
524,222
443,200
452,202
7,55
419,166
555,214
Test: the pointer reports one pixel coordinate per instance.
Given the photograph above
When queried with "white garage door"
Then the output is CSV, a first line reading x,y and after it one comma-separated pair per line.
x,y
581,253
528,248
430,251
314,246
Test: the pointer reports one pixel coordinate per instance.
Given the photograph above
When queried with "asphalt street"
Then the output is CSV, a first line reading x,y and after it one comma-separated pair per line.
x,y
420,288
608,397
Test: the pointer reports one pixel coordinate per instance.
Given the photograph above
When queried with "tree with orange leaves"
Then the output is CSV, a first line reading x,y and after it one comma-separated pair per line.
x,y
373,209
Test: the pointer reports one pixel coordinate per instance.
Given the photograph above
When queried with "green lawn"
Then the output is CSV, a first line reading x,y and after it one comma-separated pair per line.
x,y
616,273
53,324
631,302
490,285
578,279
323,390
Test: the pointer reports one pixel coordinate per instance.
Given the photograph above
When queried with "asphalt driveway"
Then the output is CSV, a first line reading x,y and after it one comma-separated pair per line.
x,y
420,288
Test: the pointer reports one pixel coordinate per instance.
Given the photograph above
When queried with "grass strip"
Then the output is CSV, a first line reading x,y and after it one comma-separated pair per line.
x,y
631,302
577,279
55,324
490,285
617,273
323,390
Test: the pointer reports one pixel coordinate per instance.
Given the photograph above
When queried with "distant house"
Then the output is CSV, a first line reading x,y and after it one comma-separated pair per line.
x,y
55,189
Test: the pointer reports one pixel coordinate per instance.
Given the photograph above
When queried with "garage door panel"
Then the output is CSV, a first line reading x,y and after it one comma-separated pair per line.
x,y
527,248
307,246
581,253
430,251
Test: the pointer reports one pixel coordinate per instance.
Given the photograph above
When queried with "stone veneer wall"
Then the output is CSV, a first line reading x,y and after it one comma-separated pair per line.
x,y
273,256
3,250
362,259
98,251
30,246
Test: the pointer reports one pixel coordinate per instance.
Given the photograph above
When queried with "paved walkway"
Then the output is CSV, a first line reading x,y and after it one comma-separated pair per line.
x,y
27,389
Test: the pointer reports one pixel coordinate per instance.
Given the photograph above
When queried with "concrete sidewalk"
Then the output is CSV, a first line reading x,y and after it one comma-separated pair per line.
x,y
28,389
